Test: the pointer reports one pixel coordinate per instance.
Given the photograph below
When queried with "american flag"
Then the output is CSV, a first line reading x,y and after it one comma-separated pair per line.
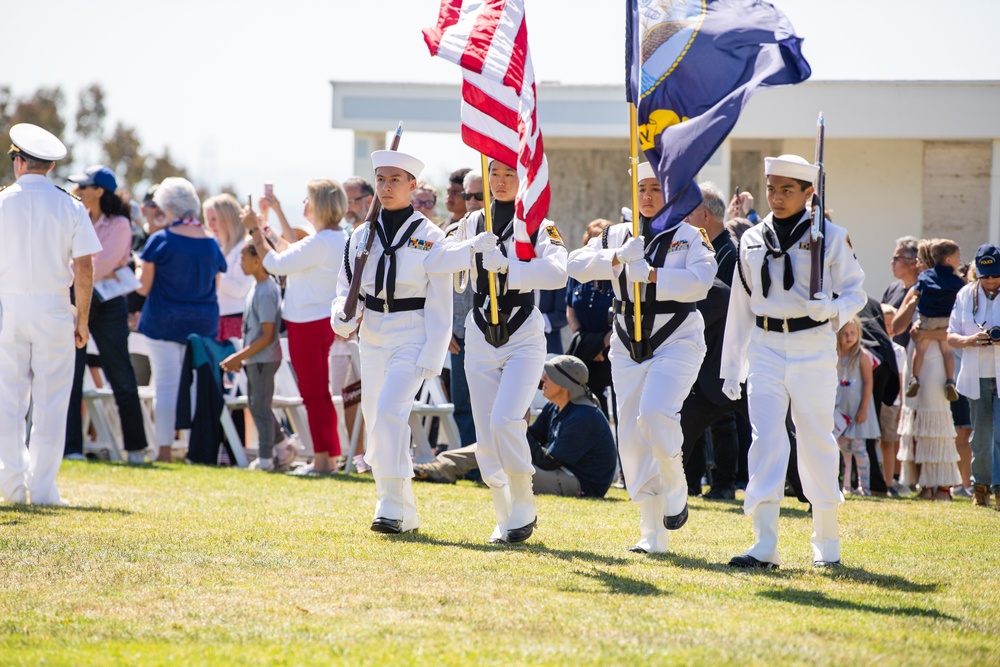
x,y
489,40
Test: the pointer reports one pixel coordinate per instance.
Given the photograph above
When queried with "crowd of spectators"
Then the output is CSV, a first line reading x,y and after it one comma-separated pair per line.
x,y
916,415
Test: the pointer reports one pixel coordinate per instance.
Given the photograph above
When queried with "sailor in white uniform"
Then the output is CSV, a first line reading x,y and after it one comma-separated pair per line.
x,y
405,317
784,345
503,362
46,243
652,377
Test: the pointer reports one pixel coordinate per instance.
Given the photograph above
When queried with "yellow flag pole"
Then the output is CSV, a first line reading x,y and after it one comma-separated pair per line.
x,y
634,159
494,315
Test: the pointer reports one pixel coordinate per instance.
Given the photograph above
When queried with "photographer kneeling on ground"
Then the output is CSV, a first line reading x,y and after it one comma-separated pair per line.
x,y
572,448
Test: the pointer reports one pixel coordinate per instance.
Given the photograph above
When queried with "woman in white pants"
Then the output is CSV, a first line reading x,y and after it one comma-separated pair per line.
x,y
503,362
652,377
178,276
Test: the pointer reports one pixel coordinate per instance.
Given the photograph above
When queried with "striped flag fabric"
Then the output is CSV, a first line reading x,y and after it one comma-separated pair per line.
x,y
488,39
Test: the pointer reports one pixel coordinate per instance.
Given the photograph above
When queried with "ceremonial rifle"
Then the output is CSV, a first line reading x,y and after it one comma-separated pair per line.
x,y
351,305
818,226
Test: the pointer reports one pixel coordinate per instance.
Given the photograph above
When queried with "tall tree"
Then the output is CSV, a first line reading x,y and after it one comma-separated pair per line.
x,y
90,112
43,108
123,154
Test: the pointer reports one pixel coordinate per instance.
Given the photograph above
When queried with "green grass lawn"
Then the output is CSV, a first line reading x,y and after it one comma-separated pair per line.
x,y
186,565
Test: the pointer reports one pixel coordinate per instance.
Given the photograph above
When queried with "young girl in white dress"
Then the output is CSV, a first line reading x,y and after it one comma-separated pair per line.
x,y
855,404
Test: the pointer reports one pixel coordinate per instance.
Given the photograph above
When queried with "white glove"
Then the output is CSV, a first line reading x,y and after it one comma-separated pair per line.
x,y
634,249
495,262
484,242
342,326
731,388
638,271
424,373
822,308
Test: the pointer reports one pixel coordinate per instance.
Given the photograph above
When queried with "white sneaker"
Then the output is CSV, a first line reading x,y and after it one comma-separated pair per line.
x,y
267,465
961,492
360,465
137,458
75,456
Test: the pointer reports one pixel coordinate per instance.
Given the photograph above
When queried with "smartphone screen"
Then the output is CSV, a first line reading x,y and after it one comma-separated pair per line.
x,y
268,189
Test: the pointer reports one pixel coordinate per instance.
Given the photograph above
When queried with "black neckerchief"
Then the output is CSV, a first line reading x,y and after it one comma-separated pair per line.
x,y
387,228
786,232
645,230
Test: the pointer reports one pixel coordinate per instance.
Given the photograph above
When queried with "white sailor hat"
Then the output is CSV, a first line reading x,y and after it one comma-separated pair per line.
x,y
645,171
407,163
36,143
790,166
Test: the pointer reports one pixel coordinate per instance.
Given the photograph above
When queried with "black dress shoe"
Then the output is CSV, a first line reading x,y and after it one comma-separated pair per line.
x,y
751,563
827,563
391,526
638,550
676,521
720,494
515,535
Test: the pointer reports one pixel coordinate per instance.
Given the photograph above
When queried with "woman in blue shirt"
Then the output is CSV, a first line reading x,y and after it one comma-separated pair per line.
x,y
179,266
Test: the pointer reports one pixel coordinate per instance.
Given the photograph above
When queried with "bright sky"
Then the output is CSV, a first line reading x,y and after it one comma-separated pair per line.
x,y
240,91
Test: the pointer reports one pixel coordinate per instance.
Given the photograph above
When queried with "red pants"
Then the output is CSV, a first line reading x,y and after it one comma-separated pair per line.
x,y
309,347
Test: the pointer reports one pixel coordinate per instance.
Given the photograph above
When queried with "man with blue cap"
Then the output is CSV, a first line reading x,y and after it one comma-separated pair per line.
x,y
46,243
974,327
405,322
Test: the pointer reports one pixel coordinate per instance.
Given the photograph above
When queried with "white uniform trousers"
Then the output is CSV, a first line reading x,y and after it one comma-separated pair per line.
x,y
389,384
650,396
502,383
36,364
808,379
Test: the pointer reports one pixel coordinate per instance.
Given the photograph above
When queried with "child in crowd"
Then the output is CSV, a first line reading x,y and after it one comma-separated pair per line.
x,y
889,418
855,401
260,357
935,294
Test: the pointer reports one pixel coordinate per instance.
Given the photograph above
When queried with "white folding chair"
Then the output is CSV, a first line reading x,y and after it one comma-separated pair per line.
x,y
102,413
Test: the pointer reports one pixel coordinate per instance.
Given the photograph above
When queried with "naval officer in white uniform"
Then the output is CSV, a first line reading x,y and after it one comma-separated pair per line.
x,y
784,345
46,243
503,363
652,377
405,315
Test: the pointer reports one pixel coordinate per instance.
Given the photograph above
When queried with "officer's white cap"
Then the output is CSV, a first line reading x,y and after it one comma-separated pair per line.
x,y
790,166
645,171
407,163
36,142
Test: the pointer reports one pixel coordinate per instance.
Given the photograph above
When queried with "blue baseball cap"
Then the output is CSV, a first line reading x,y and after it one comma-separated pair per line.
x,y
98,175
988,261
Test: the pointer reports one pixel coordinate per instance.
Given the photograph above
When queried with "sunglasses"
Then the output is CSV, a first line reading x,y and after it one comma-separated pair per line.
x,y
478,196
423,203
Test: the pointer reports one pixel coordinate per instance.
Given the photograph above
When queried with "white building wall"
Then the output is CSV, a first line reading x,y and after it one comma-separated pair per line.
x,y
874,189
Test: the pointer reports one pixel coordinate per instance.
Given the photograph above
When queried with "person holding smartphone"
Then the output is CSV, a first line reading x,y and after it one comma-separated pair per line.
x,y
974,328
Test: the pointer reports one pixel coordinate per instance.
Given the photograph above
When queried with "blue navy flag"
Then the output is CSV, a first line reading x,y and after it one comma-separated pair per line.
x,y
691,66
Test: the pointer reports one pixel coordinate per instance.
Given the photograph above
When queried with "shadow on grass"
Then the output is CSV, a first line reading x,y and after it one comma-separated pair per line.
x,y
887,581
823,601
151,465
534,547
48,510
619,585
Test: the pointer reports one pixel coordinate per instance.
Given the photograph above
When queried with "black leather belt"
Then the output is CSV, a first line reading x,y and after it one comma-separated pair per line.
x,y
627,308
507,302
788,326
398,305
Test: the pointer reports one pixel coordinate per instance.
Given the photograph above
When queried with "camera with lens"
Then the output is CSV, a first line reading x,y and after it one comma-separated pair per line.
x,y
994,334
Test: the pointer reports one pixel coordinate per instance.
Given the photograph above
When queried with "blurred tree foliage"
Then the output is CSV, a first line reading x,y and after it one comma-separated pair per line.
x,y
121,148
